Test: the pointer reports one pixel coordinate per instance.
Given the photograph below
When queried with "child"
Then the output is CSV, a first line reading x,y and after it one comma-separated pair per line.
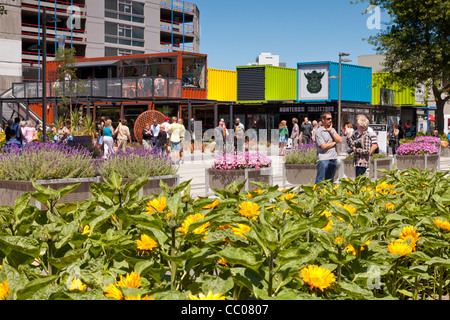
x,y
162,141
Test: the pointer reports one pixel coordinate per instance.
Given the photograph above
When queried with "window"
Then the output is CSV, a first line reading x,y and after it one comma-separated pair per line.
x,y
126,10
124,31
125,6
194,72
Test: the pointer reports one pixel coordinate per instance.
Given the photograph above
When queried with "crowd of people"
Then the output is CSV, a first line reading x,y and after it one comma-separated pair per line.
x,y
20,133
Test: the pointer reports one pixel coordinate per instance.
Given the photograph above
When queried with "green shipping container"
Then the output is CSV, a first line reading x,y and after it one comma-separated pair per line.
x,y
402,98
256,84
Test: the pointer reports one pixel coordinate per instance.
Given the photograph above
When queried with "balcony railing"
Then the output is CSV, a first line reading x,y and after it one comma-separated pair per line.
x,y
129,88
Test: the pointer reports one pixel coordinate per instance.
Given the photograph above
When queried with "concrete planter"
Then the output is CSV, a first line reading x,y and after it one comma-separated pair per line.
x,y
445,152
430,162
152,186
375,164
303,174
220,179
11,190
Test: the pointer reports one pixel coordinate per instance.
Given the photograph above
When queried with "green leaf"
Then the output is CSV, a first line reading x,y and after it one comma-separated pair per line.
x,y
241,256
67,189
70,257
134,187
440,262
354,290
34,286
116,180
25,245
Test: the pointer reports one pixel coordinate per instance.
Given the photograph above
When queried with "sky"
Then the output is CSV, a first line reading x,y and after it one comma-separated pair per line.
x,y
235,32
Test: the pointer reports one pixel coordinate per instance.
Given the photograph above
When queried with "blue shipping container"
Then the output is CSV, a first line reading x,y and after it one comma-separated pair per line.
x,y
314,83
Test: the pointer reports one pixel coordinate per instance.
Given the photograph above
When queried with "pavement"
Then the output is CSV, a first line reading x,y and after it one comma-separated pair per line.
x,y
195,165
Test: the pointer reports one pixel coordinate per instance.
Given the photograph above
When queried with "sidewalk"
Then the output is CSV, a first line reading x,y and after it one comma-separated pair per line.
x,y
195,170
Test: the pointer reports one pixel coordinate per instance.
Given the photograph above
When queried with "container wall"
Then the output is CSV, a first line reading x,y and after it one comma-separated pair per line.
x,y
405,97
251,84
356,83
281,83
222,85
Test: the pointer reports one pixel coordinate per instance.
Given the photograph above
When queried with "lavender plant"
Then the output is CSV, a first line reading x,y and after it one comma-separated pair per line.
x,y
241,161
135,163
45,161
305,154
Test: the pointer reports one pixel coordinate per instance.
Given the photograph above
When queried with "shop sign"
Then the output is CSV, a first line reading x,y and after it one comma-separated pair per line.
x,y
313,82
381,132
307,109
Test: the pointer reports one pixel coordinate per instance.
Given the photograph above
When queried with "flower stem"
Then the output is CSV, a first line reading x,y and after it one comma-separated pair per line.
x,y
173,269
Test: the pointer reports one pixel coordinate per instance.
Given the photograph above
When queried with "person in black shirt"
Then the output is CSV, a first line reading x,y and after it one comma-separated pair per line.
x,y
306,130
147,137
162,141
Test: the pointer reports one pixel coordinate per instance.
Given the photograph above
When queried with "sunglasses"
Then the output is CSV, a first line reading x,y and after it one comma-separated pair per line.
x,y
328,119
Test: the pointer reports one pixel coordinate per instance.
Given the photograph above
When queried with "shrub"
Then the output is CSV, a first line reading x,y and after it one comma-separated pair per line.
x,y
241,161
45,161
428,139
417,149
137,162
306,154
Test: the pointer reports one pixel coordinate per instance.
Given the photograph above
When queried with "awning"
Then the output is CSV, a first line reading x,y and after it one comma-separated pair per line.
x,y
103,63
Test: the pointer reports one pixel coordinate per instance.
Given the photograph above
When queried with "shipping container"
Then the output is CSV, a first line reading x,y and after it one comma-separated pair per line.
x,y
319,82
222,85
256,84
395,95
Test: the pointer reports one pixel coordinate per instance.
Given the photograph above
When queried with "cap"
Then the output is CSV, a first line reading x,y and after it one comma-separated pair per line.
x,y
167,118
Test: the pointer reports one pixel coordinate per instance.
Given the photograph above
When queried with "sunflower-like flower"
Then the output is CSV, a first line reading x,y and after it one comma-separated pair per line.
x,y
348,207
385,188
77,285
212,205
249,210
113,292
442,224
4,290
328,226
209,296
399,248
288,196
223,262
410,236
352,250
317,277
339,241
389,206
190,220
132,280
240,230
159,205
254,193
86,230
146,243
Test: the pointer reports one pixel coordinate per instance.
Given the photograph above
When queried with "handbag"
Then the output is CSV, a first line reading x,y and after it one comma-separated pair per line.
x,y
35,136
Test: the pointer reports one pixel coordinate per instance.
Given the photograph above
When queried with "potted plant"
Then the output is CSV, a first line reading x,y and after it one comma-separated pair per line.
x,y
134,163
422,155
378,161
300,166
242,166
53,165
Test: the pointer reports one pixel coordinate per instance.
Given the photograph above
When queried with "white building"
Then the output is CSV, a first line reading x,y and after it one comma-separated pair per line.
x,y
267,58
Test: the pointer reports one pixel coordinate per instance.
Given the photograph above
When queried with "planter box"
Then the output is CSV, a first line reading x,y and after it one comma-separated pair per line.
x,y
11,190
445,152
304,174
152,186
375,164
219,179
424,162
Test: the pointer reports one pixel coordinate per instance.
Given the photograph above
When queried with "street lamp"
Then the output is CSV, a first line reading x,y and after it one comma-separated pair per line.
x,y
43,47
341,54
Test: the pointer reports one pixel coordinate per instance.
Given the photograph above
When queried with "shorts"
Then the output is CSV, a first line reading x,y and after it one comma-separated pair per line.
x,y
283,139
175,146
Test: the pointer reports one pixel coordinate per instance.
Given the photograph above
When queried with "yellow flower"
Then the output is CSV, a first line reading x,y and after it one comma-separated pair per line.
x,y
77,285
4,290
146,243
210,296
86,230
240,230
339,240
257,192
159,205
132,280
389,206
190,220
442,224
399,248
385,188
138,297
349,208
288,196
326,214
328,226
410,236
113,292
223,262
317,277
352,250
249,210
212,205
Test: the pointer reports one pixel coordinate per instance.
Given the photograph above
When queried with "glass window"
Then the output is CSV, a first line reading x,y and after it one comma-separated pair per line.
x,y
194,72
111,5
138,8
125,6
124,31
138,33
111,28
110,40
138,43
110,52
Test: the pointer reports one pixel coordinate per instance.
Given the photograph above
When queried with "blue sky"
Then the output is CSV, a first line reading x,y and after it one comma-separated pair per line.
x,y
235,32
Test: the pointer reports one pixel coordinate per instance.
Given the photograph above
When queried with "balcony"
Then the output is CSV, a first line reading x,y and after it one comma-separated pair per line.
x,y
119,88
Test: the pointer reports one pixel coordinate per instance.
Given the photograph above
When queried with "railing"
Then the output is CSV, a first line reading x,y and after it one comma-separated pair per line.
x,y
130,88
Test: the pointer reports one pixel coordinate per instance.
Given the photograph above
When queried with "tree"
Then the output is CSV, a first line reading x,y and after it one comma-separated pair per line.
x,y
416,45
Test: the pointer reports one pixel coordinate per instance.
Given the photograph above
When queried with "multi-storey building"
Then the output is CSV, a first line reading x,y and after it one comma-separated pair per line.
x,y
95,28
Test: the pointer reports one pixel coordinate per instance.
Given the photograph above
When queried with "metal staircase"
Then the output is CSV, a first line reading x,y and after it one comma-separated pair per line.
x,y
11,110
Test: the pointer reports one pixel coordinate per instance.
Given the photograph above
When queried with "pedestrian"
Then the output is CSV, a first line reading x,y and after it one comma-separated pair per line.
x,y
373,136
361,147
29,133
175,139
306,130
239,135
238,121
147,137
12,141
348,131
100,131
284,134
161,145
18,129
166,126
327,140
108,140
295,134
8,129
182,133
315,126
63,132
123,135
155,131
393,138
220,137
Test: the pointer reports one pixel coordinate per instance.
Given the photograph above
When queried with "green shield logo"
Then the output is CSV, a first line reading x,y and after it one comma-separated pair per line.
x,y
314,81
